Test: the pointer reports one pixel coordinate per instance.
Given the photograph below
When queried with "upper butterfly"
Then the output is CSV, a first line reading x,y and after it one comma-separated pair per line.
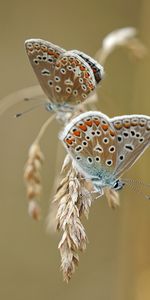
x,y
102,149
66,77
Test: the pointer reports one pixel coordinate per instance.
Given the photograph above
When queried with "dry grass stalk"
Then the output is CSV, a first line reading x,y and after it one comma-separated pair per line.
x,y
32,172
74,198
112,198
124,37
33,179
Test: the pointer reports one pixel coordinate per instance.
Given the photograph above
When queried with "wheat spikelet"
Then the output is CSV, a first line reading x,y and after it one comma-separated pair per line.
x,y
33,179
71,205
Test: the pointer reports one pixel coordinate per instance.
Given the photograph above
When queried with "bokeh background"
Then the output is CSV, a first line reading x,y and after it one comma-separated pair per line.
x,y
116,264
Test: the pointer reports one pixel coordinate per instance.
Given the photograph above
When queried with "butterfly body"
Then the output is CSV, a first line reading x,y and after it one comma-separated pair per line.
x,y
66,77
102,149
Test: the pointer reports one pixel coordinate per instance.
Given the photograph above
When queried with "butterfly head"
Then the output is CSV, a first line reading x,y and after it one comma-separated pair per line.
x,y
100,183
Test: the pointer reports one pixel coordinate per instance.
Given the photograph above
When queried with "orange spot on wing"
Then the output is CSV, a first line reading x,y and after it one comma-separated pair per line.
x,y
89,123
134,123
94,70
44,49
83,127
56,55
118,126
86,75
58,65
142,125
69,141
126,125
82,68
76,133
104,127
50,52
96,122
91,86
112,133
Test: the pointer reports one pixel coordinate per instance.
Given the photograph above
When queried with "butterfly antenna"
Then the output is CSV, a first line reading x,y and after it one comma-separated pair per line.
x,y
20,114
136,186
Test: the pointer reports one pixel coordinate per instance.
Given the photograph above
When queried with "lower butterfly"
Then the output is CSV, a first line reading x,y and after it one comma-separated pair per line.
x,y
66,77
103,148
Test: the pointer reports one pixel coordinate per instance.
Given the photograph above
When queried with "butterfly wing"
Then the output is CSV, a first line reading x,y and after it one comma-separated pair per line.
x,y
132,139
43,56
97,69
105,148
65,77
91,141
73,79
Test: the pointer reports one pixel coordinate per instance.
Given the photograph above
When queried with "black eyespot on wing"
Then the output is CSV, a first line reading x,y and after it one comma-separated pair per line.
x,y
129,147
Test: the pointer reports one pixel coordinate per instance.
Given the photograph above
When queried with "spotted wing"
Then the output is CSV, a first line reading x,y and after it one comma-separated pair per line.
x,y
73,79
97,69
90,139
43,56
133,138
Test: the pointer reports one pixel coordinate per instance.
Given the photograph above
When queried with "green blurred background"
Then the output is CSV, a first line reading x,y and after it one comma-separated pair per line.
x,y
116,264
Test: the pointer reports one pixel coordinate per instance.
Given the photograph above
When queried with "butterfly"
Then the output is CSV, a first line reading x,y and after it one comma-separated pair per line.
x,y
103,148
66,77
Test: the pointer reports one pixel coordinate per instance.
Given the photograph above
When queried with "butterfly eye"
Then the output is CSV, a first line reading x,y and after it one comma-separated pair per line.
x,y
118,185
